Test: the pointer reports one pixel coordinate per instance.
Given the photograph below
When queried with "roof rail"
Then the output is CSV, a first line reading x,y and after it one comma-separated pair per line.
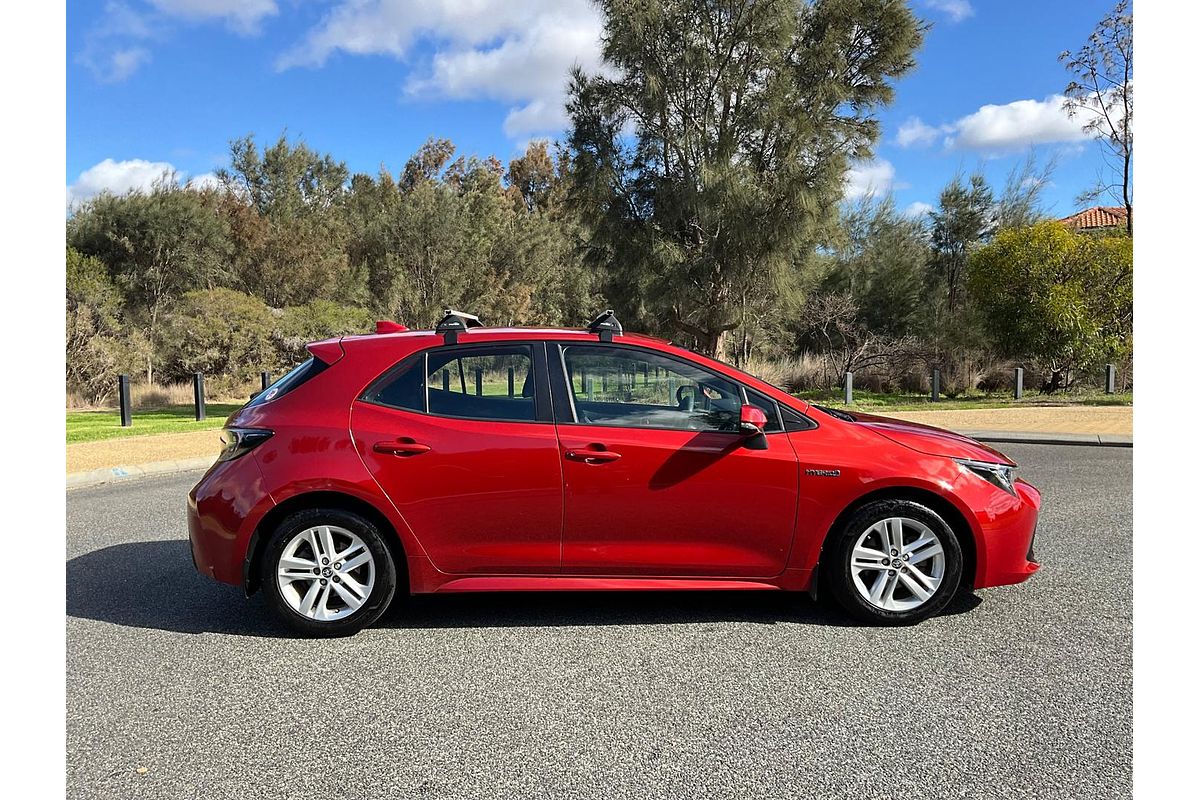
x,y
606,325
454,323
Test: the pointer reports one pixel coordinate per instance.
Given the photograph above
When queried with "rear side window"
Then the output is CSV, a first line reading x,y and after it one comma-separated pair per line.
x,y
492,383
297,377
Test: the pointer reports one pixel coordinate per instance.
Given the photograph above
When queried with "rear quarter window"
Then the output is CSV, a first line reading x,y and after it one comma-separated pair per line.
x,y
289,382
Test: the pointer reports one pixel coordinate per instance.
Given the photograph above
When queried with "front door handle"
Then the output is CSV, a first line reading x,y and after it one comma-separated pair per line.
x,y
401,448
593,456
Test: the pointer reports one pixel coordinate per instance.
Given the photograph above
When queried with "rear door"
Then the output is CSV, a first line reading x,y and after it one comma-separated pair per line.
x,y
462,440
657,480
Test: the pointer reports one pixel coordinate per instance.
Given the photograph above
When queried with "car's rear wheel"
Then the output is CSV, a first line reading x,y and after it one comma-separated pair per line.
x,y
327,572
895,562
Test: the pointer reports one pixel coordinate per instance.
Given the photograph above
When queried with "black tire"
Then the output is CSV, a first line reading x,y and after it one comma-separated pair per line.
x,y
836,563
372,608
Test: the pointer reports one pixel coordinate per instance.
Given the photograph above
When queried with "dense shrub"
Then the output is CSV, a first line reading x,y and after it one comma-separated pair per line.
x,y
219,332
1060,298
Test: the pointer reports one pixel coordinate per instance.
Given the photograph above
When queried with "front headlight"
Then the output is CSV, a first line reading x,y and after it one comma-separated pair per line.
x,y
999,475
236,442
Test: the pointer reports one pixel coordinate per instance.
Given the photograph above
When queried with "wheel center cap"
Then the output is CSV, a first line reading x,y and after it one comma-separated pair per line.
x,y
327,572
897,563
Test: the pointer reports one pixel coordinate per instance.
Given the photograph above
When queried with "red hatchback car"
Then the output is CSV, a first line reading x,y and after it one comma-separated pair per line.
x,y
469,459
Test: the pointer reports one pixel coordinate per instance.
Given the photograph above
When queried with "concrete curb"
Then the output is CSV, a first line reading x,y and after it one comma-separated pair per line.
x,y
95,477
78,480
1077,439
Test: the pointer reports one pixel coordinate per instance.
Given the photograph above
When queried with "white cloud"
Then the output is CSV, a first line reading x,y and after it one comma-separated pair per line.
x,y
957,10
207,180
915,132
536,116
1017,125
241,15
999,128
517,53
135,174
917,209
870,178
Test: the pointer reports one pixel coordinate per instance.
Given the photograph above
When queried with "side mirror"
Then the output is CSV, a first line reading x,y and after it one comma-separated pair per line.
x,y
752,421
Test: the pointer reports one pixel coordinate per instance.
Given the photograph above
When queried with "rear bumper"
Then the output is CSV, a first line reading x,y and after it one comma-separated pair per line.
x,y
223,510
1006,545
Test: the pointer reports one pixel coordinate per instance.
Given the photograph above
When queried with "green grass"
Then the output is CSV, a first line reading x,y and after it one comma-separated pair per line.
x,y
92,426
868,401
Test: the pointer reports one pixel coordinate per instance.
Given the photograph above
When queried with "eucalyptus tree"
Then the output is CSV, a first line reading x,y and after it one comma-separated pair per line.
x,y
713,142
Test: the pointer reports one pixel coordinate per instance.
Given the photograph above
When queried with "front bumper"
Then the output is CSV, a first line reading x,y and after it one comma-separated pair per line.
x,y
1005,553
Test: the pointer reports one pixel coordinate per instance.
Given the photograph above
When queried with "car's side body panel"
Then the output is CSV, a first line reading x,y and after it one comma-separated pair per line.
x,y
496,505
676,503
485,498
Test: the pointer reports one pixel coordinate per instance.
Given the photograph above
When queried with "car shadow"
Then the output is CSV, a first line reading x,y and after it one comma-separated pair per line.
x,y
153,585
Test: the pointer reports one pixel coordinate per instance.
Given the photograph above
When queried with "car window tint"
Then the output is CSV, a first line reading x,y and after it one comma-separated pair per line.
x,y
637,389
489,383
403,388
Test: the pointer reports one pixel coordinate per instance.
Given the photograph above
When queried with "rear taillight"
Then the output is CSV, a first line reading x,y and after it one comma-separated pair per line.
x,y
236,442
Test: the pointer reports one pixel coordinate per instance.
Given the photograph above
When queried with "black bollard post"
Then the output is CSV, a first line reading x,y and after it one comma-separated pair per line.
x,y
123,398
849,388
1018,383
198,394
1110,379
935,395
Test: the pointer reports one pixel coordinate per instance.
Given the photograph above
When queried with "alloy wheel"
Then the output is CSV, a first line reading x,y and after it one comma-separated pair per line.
x,y
325,573
898,564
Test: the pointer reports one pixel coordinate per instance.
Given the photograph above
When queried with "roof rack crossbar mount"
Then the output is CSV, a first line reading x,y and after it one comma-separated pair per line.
x,y
455,322
606,326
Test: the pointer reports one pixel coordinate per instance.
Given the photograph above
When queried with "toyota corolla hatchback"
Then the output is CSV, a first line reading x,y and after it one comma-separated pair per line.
x,y
473,459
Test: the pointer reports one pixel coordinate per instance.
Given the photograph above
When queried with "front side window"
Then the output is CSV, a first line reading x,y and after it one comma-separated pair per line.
x,y
494,383
629,388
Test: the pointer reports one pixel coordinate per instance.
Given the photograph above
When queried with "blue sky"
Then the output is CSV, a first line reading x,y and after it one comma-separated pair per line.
x,y
153,84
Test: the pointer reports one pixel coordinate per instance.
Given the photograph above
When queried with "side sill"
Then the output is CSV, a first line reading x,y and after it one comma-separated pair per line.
x,y
532,583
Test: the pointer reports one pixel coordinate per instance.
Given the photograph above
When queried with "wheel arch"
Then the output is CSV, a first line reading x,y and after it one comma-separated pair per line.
x,y
945,508
318,499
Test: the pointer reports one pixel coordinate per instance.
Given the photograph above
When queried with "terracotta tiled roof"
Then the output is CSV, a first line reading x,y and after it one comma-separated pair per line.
x,y
1096,217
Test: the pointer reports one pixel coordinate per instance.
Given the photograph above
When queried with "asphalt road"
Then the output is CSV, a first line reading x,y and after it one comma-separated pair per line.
x,y
1021,691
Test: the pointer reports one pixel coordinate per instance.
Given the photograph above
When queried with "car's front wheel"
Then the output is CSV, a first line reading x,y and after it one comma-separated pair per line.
x,y
895,562
327,572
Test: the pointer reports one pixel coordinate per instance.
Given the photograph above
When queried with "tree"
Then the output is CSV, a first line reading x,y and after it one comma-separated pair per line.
x,y
744,115
1020,203
1061,298
219,332
533,175
965,216
98,346
286,208
156,245
879,262
1101,92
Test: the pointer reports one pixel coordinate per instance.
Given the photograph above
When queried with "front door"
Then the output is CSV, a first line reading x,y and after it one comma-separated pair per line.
x,y
657,480
461,439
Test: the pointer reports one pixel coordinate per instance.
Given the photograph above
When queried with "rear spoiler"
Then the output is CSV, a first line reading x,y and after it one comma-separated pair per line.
x,y
328,351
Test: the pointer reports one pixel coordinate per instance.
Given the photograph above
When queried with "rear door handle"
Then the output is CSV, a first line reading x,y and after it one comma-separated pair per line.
x,y
401,448
593,456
